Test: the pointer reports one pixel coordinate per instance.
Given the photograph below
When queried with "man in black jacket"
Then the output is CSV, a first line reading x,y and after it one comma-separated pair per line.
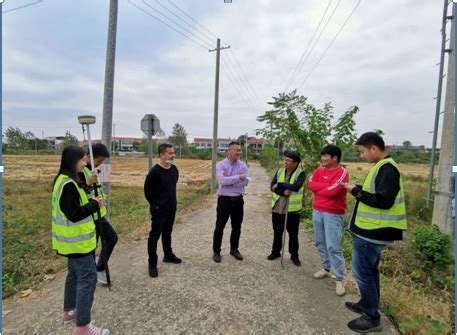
x,y
379,219
160,191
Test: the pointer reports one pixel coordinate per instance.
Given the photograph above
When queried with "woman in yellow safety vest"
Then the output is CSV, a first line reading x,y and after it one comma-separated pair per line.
x,y
73,236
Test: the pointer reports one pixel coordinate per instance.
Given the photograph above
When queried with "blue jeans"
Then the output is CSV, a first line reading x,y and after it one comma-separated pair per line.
x,y
328,233
80,287
365,260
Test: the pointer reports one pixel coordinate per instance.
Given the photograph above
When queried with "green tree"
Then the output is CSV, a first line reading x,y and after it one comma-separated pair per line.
x,y
69,139
16,139
179,135
407,145
306,127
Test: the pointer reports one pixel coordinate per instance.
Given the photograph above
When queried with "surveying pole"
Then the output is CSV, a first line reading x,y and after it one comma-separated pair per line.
x,y
216,107
86,120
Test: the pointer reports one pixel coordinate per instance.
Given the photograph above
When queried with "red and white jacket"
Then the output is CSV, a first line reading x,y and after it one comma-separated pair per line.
x,y
329,195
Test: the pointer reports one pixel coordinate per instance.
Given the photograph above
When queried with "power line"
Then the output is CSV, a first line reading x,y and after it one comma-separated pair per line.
x,y
245,88
176,23
333,40
236,87
299,65
317,40
190,17
20,7
180,18
245,76
166,24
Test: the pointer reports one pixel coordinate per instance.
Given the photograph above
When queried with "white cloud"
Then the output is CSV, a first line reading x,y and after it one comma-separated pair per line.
x,y
383,61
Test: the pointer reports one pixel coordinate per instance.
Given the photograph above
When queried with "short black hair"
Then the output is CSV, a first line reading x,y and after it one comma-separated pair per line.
x,y
332,150
163,147
231,144
371,138
100,150
294,155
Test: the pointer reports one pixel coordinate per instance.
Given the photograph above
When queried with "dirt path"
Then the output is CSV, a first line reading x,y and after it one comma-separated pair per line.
x,y
200,296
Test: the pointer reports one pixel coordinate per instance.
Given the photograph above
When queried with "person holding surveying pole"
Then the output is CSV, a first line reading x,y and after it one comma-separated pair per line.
x,y
100,152
73,236
287,187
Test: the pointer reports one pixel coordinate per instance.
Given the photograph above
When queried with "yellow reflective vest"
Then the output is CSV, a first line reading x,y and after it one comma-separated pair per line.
x,y
296,198
368,217
71,237
88,173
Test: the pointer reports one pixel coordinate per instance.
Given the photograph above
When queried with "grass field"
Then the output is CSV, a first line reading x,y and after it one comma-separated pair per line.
x,y
26,200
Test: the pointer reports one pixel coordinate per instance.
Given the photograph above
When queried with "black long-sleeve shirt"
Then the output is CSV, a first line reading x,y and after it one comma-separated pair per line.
x,y
295,187
160,189
71,206
387,183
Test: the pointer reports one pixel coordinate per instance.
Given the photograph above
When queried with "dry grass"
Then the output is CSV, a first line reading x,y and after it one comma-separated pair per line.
x,y
126,171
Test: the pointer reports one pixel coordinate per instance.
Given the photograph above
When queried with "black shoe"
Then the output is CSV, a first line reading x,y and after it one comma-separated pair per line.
x,y
296,260
273,256
153,271
365,324
172,259
236,254
217,257
353,307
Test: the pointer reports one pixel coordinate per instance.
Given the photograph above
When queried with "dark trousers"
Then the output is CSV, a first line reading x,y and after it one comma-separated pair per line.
x,y
228,207
110,240
161,224
365,261
293,222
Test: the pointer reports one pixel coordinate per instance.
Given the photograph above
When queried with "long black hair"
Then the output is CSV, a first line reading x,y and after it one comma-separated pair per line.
x,y
70,157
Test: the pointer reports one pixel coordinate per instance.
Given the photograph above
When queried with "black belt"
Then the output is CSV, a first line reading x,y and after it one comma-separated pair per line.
x,y
232,198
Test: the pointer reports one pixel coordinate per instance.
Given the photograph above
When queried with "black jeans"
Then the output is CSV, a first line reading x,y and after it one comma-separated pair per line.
x,y
161,224
110,241
293,222
228,207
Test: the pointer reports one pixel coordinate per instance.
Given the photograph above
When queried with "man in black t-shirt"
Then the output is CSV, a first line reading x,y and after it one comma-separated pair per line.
x,y
160,191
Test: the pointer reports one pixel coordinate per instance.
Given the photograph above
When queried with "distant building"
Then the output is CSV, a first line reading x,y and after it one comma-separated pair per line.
x,y
256,144
54,142
207,143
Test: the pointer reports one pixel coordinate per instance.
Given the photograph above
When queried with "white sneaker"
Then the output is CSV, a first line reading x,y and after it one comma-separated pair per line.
x,y
101,277
340,290
90,329
322,273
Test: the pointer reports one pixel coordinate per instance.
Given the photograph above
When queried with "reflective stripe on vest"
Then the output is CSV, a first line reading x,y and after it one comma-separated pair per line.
x,y
295,198
368,217
70,237
88,173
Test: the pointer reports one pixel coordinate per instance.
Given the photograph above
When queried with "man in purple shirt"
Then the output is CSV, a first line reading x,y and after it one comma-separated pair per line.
x,y
232,176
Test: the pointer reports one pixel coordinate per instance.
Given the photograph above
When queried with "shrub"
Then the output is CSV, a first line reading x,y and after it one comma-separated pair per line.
x,y
430,245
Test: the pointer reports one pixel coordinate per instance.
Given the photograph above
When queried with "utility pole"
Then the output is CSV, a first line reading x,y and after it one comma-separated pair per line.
x,y
113,142
246,147
443,211
108,96
216,109
438,105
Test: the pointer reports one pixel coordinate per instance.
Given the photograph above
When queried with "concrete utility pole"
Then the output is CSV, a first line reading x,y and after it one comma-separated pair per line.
x,y
438,105
443,209
216,109
107,121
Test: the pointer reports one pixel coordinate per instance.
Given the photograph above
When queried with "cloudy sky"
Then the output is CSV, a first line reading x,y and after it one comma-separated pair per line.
x,y
383,60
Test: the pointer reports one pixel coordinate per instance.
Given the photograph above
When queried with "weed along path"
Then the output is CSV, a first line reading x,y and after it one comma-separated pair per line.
x,y
199,295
